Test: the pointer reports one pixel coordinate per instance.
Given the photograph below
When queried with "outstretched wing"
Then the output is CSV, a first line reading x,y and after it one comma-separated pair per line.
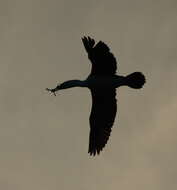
x,y
103,61
102,117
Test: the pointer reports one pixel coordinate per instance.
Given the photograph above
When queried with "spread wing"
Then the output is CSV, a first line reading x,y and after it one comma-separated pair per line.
x,y
102,117
103,61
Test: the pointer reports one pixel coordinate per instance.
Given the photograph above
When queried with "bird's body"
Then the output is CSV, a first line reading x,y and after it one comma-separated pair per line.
x,y
102,83
93,81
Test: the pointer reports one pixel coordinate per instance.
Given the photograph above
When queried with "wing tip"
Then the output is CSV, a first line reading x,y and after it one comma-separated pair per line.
x,y
95,151
88,43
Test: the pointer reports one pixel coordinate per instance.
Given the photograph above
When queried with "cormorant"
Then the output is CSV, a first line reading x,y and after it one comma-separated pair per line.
x,y
102,82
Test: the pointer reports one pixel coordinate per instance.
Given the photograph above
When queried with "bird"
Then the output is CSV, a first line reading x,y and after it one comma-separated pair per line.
x,y
102,83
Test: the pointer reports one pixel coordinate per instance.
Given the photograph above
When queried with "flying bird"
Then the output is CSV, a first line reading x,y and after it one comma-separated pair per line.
x,y
102,83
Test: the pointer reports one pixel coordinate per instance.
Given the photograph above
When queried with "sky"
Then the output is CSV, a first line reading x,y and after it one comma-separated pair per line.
x,y
43,138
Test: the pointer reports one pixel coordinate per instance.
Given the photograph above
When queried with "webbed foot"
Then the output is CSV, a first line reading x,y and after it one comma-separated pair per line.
x,y
51,90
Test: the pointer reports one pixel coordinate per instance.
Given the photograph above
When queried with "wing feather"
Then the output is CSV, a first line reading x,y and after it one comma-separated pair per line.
x,y
102,117
103,61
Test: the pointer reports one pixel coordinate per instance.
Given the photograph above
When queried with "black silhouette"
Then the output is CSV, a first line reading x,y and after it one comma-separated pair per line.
x,y
102,83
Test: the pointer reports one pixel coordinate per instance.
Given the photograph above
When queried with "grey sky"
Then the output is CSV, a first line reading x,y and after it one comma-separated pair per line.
x,y
44,139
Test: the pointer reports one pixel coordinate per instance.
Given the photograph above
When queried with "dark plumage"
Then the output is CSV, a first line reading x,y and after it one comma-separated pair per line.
x,y
102,83
103,61
102,117
104,105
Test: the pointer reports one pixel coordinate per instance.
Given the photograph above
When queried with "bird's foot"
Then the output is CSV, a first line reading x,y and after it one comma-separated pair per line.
x,y
52,90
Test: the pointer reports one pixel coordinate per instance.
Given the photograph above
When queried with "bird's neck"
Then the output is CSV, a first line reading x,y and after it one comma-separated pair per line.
x,y
72,83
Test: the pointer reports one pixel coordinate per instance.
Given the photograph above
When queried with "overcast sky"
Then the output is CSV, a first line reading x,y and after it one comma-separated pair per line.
x,y
44,139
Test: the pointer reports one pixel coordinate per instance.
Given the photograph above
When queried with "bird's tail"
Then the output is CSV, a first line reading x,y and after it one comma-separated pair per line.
x,y
135,80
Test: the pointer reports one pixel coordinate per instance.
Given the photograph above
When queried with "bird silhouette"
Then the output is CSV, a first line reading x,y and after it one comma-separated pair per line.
x,y
102,82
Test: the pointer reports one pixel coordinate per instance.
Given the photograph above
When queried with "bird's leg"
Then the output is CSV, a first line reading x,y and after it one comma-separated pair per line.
x,y
53,90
